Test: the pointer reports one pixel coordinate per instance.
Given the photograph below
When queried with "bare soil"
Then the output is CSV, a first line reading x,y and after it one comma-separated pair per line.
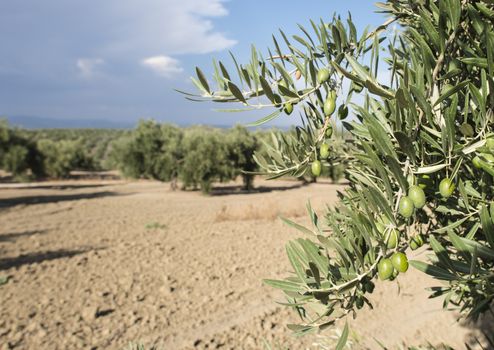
x,y
99,264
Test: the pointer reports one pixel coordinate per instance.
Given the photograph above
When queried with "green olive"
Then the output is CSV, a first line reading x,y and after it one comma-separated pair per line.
x,y
416,242
384,219
288,108
476,162
316,168
385,269
329,131
329,106
406,207
417,195
392,239
400,262
322,75
324,151
446,188
380,227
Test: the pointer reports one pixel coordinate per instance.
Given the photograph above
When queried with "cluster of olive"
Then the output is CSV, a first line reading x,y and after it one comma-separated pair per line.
x,y
329,108
415,199
388,268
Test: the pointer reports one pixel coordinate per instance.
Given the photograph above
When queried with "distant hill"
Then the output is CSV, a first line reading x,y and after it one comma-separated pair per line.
x,y
30,122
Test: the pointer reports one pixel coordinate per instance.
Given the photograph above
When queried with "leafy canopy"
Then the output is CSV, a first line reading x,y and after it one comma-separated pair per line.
x,y
431,120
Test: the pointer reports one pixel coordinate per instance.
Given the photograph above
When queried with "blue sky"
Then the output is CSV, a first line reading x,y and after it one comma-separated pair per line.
x,y
119,60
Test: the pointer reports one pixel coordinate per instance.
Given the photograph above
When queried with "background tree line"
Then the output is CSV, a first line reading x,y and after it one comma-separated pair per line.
x,y
195,157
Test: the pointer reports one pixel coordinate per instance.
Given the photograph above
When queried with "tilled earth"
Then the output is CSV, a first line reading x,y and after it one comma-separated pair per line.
x,y
99,265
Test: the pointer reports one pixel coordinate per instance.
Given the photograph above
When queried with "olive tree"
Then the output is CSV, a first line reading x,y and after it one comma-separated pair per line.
x,y
241,147
152,150
205,159
421,170
61,157
18,154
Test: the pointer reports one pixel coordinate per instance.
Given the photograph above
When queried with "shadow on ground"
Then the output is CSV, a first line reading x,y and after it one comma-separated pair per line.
x,y
13,236
27,200
485,324
34,258
54,186
237,189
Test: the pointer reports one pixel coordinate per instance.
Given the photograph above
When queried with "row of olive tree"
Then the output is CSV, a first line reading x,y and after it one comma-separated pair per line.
x,y
27,157
96,143
196,156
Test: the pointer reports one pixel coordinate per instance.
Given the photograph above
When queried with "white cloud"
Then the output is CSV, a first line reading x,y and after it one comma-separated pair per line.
x,y
112,34
164,66
88,66
172,26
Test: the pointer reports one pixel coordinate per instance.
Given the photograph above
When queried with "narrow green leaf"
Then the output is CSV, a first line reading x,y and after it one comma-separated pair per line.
x,y
481,250
343,339
267,88
487,225
203,80
295,262
406,144
265,119
236,92
433,271
430,169
397,172
297,226
451,91
284,285
441,253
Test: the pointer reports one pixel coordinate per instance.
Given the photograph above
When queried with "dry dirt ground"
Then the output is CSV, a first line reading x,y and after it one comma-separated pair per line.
x,y
96,265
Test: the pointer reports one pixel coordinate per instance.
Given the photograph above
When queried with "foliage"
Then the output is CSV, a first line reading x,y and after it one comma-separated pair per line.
x,y
431,120
61,157
241,148
150,151
206,160
196,156
18,154
96,143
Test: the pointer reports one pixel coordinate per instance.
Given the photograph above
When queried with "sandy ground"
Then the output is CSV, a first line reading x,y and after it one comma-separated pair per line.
x,y
96,265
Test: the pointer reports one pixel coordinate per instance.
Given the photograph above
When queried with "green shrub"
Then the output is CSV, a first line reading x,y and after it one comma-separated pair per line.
x,y
61,157
18,155
16,159
96,143
431,121
150,151
205,159
196,156
241,147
